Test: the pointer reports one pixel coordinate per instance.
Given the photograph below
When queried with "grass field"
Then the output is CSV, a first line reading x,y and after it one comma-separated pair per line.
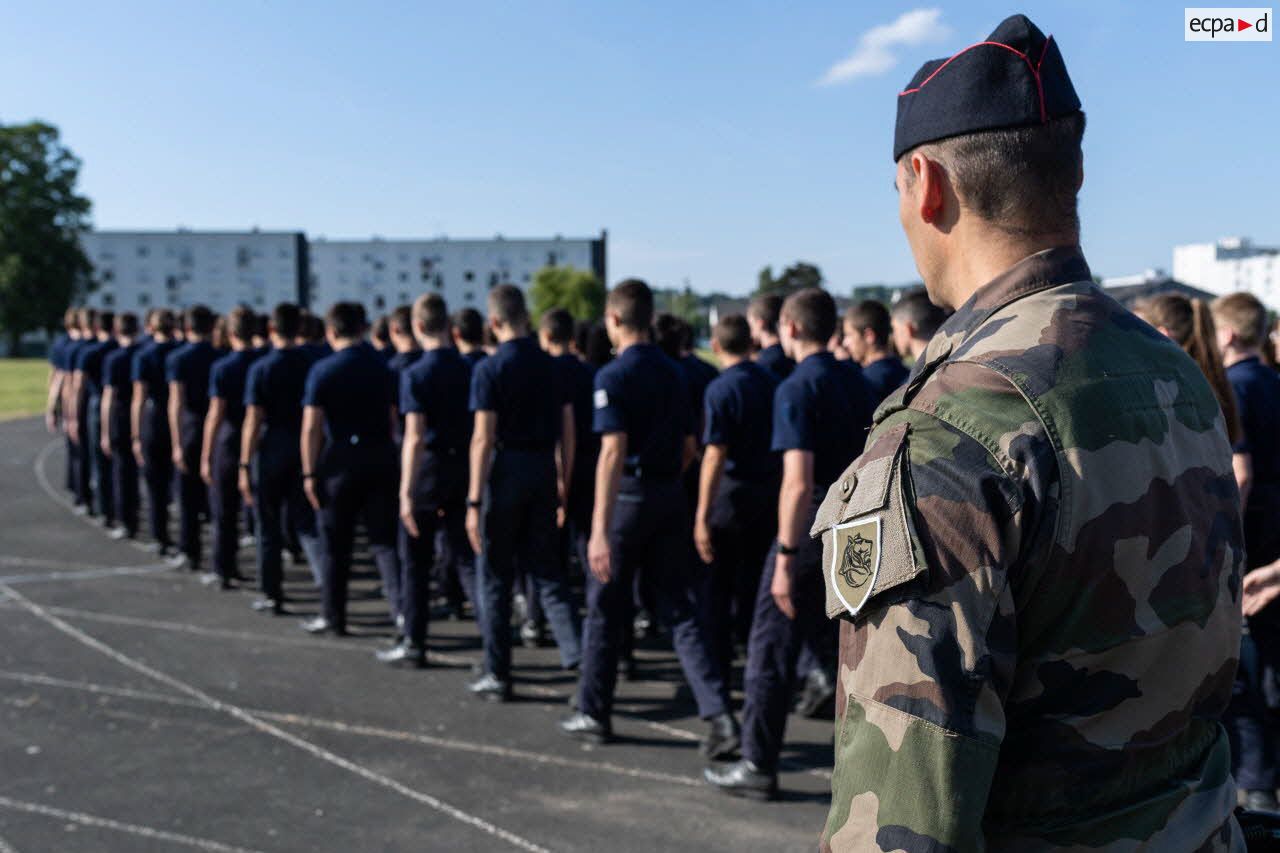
x,y
23,384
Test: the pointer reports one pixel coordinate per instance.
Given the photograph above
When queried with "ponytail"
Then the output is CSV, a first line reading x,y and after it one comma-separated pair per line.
x,y
1203,347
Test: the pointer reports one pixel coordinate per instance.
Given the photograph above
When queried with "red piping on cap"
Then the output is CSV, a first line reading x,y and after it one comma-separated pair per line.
x,y
1035,69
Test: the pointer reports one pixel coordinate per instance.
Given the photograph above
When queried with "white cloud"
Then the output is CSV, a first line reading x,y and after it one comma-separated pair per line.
x,y
875,52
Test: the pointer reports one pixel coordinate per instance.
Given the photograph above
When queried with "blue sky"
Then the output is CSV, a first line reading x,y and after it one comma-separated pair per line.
x,y
699,134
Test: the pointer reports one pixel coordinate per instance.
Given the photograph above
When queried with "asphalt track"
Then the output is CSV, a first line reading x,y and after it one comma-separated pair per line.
x,y
142,711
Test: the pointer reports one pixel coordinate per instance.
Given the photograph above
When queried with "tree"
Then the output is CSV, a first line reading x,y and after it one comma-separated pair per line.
x,y
686,305
795,277
577,291
42,267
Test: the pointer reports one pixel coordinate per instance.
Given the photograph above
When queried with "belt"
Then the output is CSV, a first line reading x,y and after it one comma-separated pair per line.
x,y
527,446
642,472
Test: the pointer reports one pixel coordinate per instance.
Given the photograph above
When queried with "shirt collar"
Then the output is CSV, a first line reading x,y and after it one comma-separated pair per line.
x,y
1034,273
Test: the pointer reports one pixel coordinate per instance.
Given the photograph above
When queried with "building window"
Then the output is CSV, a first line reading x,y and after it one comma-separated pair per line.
x,y
551,259
379,303
171,282
525,278
404,276
439,282
404,298
242,257
108,275
494,278
108,300
143,251
469,296
144,299
468,276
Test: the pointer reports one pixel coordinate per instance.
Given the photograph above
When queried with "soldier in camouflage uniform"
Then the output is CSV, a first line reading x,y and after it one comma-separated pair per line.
x,y
1036,561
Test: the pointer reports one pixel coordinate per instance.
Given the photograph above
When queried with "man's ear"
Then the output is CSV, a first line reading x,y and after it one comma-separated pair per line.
x,y
929,179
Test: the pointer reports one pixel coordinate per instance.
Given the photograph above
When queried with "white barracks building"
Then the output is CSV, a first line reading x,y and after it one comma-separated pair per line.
x,y
137,270
381,274
1230,265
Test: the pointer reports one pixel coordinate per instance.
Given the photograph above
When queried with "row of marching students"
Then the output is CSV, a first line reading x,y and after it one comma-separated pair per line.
x,y
681,489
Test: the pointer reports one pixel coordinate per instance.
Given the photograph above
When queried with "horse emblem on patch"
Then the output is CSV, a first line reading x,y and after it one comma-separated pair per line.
x,y
855,561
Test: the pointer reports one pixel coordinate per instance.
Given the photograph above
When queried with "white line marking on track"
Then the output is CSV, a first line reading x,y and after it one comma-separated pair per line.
x,y
6,847
106,823
82,574
364,730
53,494
275,731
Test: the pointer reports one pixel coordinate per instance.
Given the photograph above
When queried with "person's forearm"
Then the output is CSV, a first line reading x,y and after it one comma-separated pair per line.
x,y
793,503
249,436
175,409
713,459
568,451
608,475
312,436
212,421
135,410
409,455
688,453
53,403
481,453
104,409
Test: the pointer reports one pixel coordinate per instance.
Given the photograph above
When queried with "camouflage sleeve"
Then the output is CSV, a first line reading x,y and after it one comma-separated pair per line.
x,y
949,494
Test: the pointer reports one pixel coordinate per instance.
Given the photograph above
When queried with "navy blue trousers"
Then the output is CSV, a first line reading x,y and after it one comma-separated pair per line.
x,y
358,483
1253,754
124,481
775,645
224,500
519,528
100,462
157,470
193,496
439,504
278,499
84,459
744,523
649,533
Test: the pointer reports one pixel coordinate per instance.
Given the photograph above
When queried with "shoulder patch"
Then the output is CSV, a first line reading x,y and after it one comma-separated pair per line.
x,y
601,398
867,539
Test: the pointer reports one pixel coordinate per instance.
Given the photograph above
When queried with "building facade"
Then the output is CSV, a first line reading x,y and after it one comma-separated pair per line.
x,y
1230,265
381,274
137,270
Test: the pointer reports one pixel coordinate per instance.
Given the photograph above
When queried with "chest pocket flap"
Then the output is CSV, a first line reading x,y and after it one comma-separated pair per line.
x,y
867,538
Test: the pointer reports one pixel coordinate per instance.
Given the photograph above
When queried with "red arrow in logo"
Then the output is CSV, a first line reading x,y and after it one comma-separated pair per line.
x,y
1243,25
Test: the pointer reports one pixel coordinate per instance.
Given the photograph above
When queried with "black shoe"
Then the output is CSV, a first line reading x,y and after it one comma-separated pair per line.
x,y
818,691
723,737
583,727
531,635
403,654
491,688
275,605
1261,801
321,625
743,779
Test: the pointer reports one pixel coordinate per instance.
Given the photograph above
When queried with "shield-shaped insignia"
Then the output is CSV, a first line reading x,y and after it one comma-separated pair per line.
x,y
855,561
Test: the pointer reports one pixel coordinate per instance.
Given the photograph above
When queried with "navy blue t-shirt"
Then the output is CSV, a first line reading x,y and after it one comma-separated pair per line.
x,y
148,367
738,413
275,383
475,357
520,383
777,362
90,361
578,378
823,407
57,351
227,379
190,365
438,387
117,374
355,391
1257,390
642,393
884,376
401,361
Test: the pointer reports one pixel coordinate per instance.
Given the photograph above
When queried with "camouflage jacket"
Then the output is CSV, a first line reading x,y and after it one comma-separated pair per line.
x,y
1037,565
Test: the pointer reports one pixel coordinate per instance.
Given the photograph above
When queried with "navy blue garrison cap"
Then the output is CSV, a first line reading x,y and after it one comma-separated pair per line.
x,y
1015,78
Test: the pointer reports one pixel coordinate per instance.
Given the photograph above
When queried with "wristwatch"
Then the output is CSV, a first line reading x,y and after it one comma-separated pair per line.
x,y
787,550
474,504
